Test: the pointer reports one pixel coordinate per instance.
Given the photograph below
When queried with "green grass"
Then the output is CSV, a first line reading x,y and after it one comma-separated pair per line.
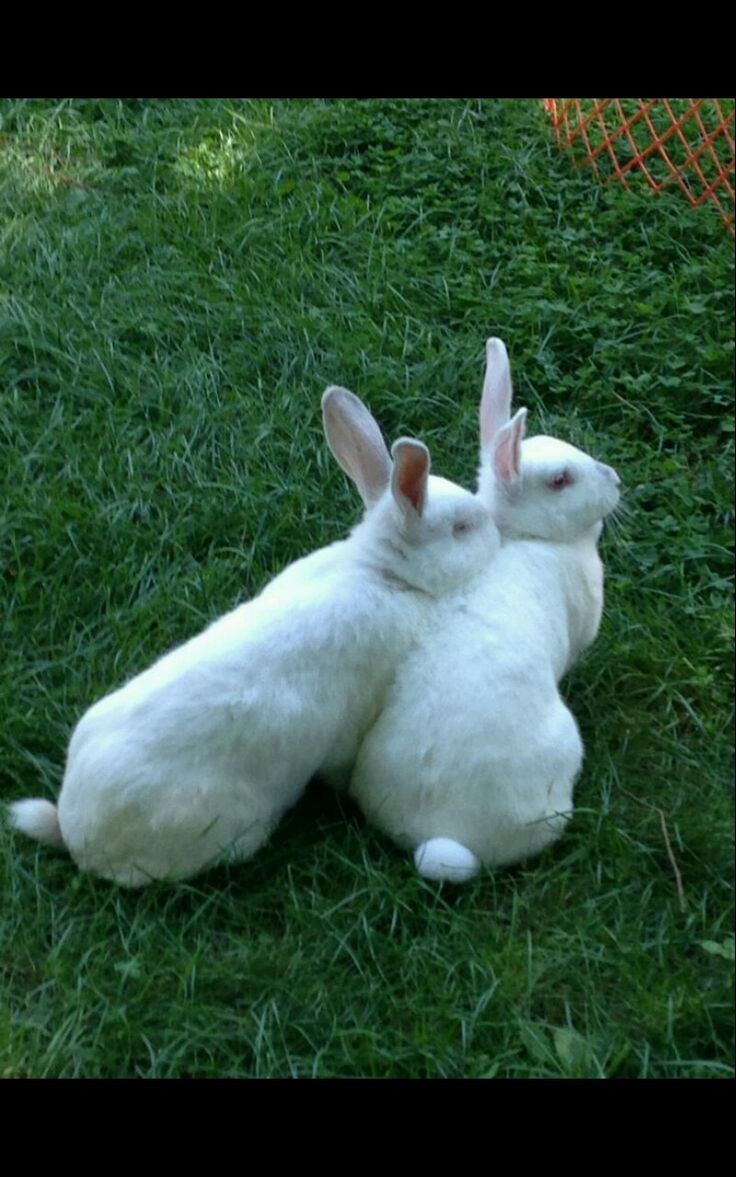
x,y
179,280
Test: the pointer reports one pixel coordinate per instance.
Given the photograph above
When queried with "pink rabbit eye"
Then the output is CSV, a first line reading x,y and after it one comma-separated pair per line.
x,y
563,479
460,528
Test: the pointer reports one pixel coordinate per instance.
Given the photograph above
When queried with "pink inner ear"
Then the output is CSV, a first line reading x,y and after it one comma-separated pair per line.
x,y
507,452
411,477
516,460
503,458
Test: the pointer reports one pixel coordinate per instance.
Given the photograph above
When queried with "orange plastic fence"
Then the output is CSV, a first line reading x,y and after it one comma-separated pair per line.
x,y
684,141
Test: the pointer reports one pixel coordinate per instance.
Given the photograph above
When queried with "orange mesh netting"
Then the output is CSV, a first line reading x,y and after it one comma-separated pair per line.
x,y
682,141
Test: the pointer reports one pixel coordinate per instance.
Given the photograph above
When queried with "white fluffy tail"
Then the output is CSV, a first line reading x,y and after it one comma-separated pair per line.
x,y
446,860
39,819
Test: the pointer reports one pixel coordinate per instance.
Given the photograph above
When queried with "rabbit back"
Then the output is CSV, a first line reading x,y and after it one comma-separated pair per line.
x,y
475,743
197,758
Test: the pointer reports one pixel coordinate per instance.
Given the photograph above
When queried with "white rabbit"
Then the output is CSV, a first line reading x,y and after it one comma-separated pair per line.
x,y
195,760
474,757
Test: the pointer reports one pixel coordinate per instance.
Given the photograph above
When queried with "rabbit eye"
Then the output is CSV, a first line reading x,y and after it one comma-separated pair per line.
x,y
563,479
460,528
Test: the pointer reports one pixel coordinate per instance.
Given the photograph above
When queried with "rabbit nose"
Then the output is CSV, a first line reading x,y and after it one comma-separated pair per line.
x,y
610,473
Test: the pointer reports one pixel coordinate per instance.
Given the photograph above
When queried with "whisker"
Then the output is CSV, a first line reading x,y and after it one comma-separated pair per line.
x,y
615,524
621,514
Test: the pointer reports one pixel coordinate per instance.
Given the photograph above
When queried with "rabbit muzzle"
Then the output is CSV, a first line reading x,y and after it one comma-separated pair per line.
x,y
609,473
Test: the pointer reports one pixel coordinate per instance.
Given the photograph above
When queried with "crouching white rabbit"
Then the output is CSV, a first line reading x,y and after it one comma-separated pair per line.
x,y
195,760
474,757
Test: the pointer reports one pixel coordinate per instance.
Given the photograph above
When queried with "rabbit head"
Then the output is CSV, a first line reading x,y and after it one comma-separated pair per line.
x,y
419,530
539,487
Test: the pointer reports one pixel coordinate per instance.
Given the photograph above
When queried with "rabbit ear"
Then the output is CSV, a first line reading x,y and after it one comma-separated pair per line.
x,y
507,449
410,474
495,403
356,442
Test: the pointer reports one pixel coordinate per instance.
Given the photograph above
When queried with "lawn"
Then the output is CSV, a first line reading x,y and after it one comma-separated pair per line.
x,y
179,281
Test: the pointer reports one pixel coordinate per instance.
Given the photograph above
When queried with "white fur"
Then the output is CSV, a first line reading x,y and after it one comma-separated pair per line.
x,y
475,746
39,819
195,760
445,860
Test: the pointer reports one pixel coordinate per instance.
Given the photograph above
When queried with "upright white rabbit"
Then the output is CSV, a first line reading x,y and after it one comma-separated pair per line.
x,y
474,757
194,761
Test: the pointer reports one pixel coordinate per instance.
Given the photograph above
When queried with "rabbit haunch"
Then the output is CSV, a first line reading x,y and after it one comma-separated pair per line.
x,y
481,770
195,760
